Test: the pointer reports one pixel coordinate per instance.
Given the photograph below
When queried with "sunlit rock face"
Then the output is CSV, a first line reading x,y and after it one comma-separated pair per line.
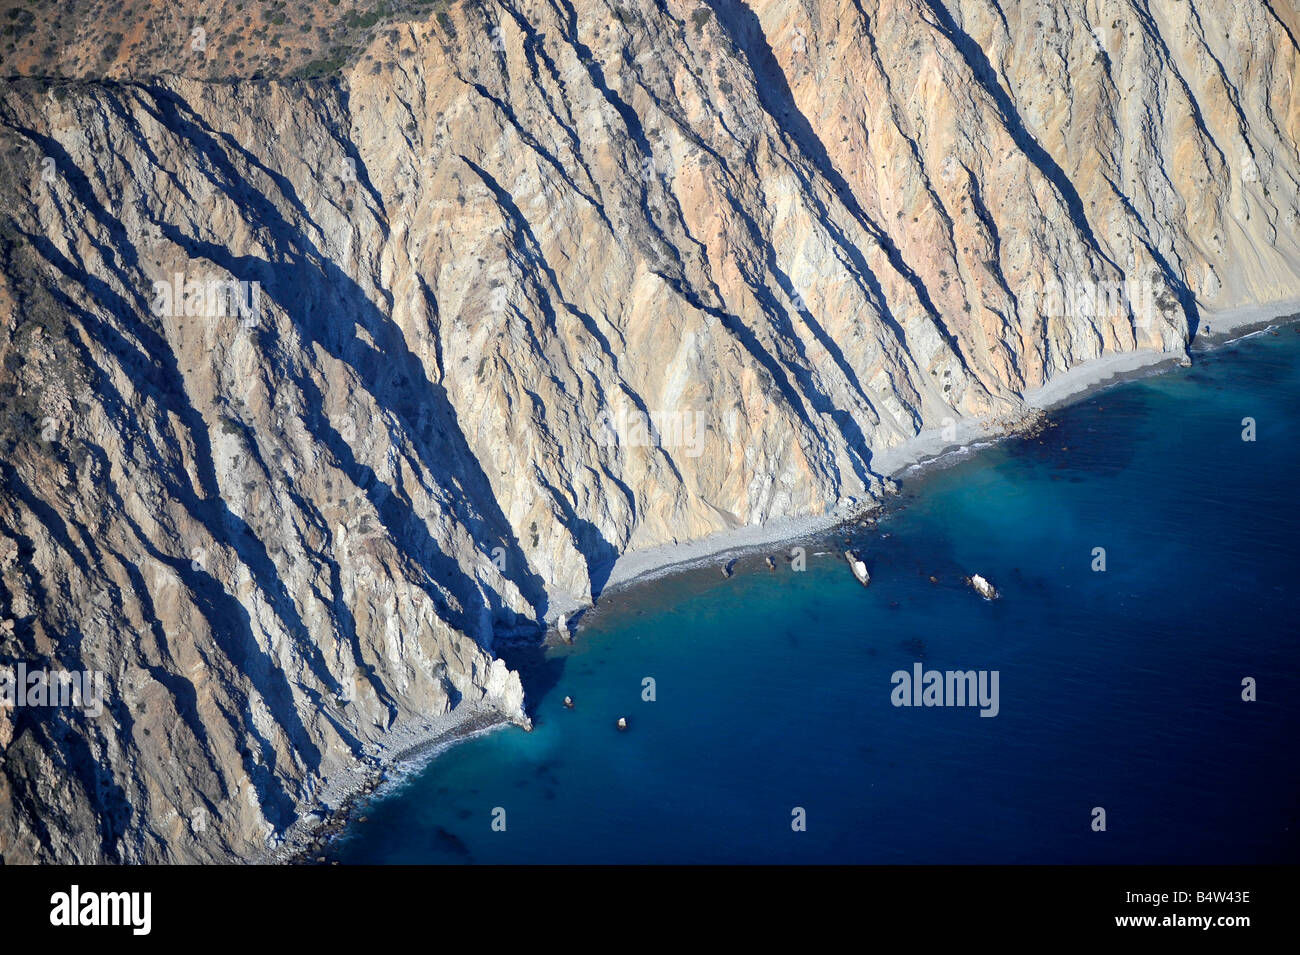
x,y
528,287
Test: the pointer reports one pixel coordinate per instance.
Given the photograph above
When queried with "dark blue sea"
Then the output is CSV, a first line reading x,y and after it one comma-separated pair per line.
x,y
1118,689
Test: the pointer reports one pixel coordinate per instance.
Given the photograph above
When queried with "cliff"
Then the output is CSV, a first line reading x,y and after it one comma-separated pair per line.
x,y
528,286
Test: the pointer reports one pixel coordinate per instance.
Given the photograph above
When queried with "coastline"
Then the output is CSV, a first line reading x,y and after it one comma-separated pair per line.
x,y
402,750
408,747
1219,328
1073,385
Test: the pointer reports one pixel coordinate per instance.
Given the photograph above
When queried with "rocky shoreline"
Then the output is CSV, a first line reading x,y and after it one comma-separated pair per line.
x,y
1072,386
406,748
308,843
512,303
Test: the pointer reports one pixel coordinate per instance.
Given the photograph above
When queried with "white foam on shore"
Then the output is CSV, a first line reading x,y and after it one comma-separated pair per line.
x,y
1246,317
407,766
402,750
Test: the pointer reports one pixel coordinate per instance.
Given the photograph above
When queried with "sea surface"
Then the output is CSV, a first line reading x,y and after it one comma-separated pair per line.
x,y
1119,690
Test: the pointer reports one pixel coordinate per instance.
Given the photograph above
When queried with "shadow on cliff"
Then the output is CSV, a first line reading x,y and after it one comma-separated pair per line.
x,y
676,279
1048,167
231,627
396,379
58,735
326,305
746,32
539,673
153,366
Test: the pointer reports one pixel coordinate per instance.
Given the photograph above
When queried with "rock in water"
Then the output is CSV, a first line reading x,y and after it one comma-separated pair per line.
x,y
983,587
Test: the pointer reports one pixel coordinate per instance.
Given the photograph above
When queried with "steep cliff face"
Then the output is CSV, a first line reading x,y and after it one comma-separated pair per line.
x,y
527,287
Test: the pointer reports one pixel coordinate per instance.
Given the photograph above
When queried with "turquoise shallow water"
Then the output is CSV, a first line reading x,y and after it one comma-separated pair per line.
x,y
1119,690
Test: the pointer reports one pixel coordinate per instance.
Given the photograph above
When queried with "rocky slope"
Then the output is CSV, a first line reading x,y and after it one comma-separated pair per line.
x,y
210,39
791,235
